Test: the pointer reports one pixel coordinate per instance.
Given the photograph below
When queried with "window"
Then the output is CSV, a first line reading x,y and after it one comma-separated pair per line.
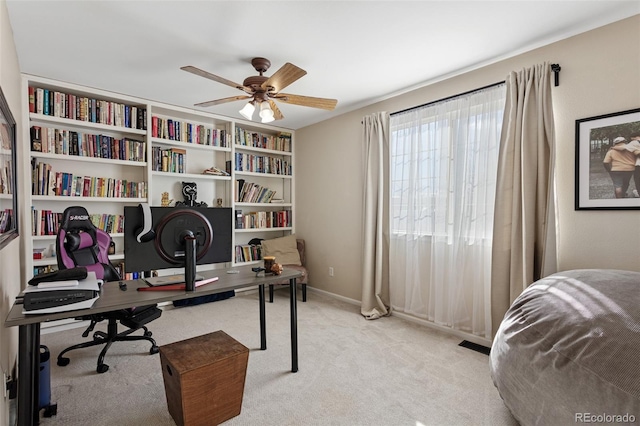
x,y
444,161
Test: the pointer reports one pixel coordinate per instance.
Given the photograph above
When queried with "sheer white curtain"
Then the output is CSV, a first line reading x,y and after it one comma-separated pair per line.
x,y
442,187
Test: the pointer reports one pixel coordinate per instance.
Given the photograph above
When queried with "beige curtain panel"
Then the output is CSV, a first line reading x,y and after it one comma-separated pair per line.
x,y
524,221
375,221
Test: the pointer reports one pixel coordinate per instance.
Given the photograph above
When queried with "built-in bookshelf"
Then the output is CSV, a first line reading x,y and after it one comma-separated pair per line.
x,y
263,189
85,147
187,145
104,151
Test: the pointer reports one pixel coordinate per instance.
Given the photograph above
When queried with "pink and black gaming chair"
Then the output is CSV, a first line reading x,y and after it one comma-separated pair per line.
x,y
80,243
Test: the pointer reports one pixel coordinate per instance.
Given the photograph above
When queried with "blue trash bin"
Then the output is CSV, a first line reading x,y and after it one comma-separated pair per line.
x,y
44,399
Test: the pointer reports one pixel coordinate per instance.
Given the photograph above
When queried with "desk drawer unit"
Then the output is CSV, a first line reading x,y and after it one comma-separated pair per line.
x,y
204,378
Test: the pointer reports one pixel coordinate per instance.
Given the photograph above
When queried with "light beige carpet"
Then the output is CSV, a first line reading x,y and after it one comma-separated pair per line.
x,y
352,371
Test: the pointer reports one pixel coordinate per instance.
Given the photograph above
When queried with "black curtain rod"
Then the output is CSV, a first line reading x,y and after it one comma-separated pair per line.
x,y
448,98
555,68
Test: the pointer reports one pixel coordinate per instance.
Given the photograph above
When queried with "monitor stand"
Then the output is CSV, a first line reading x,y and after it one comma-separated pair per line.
x,y
189,260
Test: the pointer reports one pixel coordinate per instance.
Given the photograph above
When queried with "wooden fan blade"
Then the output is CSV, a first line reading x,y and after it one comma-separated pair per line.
x,y
286,75
205,74
223,100
277,114
328,104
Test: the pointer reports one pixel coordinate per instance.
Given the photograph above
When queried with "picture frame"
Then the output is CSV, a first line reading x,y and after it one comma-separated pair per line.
x,y
607,151
8,175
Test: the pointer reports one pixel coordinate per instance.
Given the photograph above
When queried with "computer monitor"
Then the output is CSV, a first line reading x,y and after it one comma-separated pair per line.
x,y
176,237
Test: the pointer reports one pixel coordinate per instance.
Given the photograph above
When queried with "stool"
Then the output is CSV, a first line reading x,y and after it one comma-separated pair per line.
x,y
204,378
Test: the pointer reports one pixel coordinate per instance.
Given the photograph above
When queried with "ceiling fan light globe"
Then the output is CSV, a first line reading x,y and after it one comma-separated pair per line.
x,y
247,111
266,113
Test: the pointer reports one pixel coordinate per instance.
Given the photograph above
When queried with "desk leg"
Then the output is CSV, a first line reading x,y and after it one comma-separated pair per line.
x,y
263,320
293,300
28,374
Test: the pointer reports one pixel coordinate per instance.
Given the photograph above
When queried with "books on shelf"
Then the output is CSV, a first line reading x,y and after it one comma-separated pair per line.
x,y
6,172
67,142
263,219
171,160
184,131
249,192
6,220
46,181
47,222
281,142
248,252
245,162
77,107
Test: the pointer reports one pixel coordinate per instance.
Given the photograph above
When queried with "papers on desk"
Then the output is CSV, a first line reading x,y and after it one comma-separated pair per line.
x,y
167,280
61,296
181,286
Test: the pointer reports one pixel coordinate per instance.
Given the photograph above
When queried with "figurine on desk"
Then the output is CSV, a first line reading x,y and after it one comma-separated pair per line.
x,y
190,193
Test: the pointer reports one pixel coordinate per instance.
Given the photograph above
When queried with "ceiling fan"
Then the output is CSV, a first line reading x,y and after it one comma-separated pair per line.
x,y
262,90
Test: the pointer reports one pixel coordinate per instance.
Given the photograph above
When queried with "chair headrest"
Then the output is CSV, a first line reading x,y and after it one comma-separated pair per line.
x,y
76,218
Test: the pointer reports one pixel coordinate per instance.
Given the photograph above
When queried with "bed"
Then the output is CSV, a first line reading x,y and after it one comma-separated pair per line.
x,y
568,349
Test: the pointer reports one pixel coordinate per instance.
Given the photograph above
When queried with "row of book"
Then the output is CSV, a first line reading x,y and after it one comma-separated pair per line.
x,y
249,192
37,270
281,142
262,164
248,253
76,107
259,220
6,220
172,160
6,174
46,181
175,130
47,222
67,142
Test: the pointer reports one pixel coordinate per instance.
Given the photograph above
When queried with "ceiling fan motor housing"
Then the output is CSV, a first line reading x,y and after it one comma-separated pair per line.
x,y
254,81
261,64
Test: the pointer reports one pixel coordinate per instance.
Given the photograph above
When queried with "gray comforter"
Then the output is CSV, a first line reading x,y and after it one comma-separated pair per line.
x,y
568,350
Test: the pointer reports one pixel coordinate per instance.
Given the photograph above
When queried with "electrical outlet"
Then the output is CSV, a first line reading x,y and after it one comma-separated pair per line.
x,y
330,271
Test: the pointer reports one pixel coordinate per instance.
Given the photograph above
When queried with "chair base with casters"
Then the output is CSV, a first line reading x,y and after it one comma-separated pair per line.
x,y
145,315
302,280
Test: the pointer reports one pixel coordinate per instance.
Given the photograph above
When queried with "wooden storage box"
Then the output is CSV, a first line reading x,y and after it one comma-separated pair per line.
x,y
204,378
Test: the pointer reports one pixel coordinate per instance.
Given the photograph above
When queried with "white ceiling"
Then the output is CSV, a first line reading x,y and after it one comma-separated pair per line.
x,y
357,52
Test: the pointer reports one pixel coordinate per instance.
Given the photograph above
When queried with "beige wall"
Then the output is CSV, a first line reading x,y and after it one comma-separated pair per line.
x,y
600,74
10,254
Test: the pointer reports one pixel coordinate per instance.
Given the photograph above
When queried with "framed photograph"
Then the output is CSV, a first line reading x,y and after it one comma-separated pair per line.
x,y
608,161
8,193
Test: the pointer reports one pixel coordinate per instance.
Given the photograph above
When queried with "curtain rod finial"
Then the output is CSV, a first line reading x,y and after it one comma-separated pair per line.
x,y
556,71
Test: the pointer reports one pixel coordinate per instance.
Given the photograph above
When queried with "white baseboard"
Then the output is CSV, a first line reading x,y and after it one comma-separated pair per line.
x,y
60,325
335,296
461,334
